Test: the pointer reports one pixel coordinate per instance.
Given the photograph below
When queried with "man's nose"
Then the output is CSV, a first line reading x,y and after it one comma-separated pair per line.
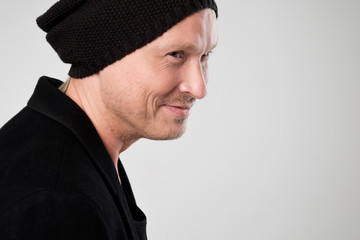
x,y
194,81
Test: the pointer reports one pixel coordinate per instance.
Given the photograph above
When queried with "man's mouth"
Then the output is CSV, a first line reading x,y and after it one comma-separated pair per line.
x,y
179,110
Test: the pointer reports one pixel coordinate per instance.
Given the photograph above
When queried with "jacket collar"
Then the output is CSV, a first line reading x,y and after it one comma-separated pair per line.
x,y
48,100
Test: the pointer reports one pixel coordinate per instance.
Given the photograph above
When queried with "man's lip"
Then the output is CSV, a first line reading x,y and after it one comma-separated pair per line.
x,y
179,106
180,110
182,105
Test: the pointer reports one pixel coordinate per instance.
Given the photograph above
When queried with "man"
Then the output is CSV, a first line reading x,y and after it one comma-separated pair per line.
x,y
137,68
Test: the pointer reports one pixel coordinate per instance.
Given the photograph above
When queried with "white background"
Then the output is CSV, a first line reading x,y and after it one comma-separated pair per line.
x,y
273,152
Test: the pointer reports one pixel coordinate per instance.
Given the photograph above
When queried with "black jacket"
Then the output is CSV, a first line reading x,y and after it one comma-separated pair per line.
x,y
57,180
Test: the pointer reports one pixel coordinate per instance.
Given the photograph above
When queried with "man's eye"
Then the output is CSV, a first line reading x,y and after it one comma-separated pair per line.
x,y
175,54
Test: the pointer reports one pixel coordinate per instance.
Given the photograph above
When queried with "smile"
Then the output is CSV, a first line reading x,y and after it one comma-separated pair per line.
x,y
180,111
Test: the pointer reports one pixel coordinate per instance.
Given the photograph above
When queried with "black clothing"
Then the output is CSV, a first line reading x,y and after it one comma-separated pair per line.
x,y
57,181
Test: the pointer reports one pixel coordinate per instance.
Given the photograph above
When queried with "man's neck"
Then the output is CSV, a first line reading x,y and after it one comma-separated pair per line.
x,y
85,93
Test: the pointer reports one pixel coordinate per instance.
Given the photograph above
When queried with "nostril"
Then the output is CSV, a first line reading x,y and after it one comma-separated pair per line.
x,y
190,100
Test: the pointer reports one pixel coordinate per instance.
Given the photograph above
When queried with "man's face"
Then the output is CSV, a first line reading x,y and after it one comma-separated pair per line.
x,y
149,92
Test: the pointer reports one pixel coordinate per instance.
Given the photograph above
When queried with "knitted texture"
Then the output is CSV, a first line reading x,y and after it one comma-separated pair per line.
x,y
92,34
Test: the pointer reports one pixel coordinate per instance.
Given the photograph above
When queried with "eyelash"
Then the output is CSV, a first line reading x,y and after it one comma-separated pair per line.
x,y
207,55
179,54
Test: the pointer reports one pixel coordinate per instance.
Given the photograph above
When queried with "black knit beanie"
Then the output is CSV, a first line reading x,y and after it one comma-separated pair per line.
x,y
92,34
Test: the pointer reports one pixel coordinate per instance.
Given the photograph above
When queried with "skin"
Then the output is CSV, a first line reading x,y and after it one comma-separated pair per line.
x,y
149,93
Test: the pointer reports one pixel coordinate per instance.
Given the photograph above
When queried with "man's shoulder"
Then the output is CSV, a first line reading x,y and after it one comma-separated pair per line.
x,y
30,126
38,153
44,164
30,134
31,152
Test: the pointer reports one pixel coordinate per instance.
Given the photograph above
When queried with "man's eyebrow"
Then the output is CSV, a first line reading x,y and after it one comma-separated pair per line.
x,y
180,46
186,46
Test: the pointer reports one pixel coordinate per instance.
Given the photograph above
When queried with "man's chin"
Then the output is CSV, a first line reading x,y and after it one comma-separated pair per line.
x,y
170,134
